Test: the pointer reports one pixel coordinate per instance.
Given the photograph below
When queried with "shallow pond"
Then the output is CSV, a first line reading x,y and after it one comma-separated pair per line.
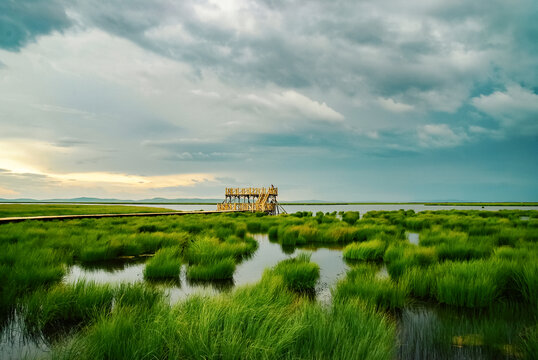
x,y
249,271
426,331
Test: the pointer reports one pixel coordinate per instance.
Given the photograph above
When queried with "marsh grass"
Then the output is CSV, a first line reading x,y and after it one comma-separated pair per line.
x,y
399,258
462,268
299,274
66,305
219,270
297,235
361,282
438,236
207,249
261,321
372,250
351,217
327,333
11,210
463,251
469,284
165,264
530,342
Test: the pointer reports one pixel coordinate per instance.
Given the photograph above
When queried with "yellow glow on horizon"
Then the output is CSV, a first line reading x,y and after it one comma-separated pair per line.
x,y
27,157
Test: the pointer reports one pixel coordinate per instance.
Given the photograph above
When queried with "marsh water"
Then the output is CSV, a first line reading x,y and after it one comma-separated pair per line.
x,y
362,208
417,339
15,344
249,271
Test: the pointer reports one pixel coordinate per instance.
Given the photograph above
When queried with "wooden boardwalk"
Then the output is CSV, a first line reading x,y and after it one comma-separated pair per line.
x,y
98,216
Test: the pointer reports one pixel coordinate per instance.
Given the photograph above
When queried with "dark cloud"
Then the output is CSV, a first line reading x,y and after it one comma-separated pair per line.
x,y
21,21
390,48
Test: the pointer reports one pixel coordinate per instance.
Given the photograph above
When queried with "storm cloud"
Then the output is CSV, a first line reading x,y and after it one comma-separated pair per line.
x,y
252,90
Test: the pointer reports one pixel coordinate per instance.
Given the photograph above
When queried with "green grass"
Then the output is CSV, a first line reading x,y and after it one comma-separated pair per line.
x,y
65,305
351,217
469,284
166,264
219,270
298,273
15,210
206,249
469,264
361,282
262,321
372,250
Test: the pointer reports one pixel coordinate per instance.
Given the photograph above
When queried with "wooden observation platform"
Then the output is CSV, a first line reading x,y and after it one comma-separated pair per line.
x,y
251,199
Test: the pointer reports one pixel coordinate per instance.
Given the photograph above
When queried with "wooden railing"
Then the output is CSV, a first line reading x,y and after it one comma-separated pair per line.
x,y
251,191
270,207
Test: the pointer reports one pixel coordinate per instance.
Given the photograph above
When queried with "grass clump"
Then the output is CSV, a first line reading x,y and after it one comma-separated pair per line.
x,y
207,249
67,305
462,251
361,282
261,321
165,264
299,274
439,236
219,270
351,217
372,250
297,235
399,258
472,284
420,281
327,334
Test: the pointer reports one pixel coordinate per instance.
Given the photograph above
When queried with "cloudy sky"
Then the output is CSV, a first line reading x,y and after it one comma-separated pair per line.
x,y
335,100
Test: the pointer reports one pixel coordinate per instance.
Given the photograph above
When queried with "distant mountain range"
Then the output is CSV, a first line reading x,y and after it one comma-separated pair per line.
x,y
156,200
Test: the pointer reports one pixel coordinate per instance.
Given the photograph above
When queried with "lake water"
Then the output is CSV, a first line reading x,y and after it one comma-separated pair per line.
x,y
363,209
249,271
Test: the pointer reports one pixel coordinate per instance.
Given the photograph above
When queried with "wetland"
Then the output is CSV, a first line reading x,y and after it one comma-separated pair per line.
x,y
445,284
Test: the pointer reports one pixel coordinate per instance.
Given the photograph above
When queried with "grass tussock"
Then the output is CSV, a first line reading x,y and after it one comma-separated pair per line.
x,y
220,270
67,304
372,250
299,274
362,283
263,321
166,264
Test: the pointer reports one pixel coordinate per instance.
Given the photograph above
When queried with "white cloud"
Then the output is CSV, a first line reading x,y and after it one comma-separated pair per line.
x,y
516,106
439,135
171,34
391,105
307,106
290,103
208,94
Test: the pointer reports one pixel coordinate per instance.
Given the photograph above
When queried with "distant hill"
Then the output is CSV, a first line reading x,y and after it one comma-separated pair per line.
x,y
92,200
156,200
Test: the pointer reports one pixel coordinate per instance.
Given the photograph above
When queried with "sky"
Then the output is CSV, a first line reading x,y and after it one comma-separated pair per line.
x,y
371,100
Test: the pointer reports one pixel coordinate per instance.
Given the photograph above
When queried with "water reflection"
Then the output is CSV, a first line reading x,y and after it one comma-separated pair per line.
x,y
248,271
429,331
413,238
17,343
